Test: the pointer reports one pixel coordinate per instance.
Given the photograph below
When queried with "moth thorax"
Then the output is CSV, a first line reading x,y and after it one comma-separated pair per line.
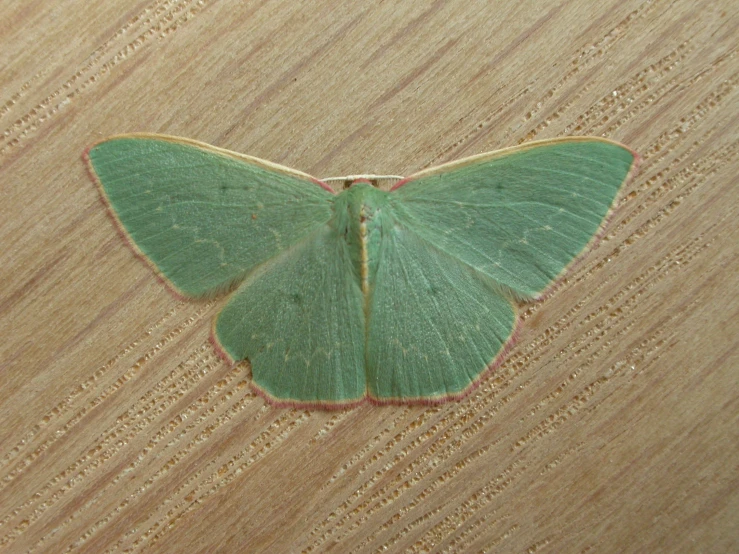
x,y
360,215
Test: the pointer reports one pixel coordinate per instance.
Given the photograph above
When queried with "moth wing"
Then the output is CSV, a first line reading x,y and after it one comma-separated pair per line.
x,y
434,324
519,215
204,217
299,319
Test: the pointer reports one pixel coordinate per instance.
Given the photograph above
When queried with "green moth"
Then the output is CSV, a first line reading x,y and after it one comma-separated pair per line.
x,y
397,297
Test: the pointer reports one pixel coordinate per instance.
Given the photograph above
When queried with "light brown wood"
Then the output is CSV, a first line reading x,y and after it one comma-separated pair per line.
x,y
612,427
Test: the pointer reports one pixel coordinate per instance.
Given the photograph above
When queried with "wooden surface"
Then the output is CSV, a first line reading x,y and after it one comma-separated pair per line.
x,y
612,427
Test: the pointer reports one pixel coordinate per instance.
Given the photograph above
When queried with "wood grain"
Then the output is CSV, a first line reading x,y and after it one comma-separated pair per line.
x,y
612,427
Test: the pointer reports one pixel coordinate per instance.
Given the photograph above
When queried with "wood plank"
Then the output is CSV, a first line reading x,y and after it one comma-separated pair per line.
x,y
612,427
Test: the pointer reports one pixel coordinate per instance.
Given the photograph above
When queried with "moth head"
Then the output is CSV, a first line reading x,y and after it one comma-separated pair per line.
x,y
351,181
382,182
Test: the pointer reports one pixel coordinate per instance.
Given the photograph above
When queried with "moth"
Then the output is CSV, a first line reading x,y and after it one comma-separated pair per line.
x,y
399,296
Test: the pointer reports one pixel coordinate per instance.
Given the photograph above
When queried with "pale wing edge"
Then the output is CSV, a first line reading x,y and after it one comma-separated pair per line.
x,y
265,164
495,154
